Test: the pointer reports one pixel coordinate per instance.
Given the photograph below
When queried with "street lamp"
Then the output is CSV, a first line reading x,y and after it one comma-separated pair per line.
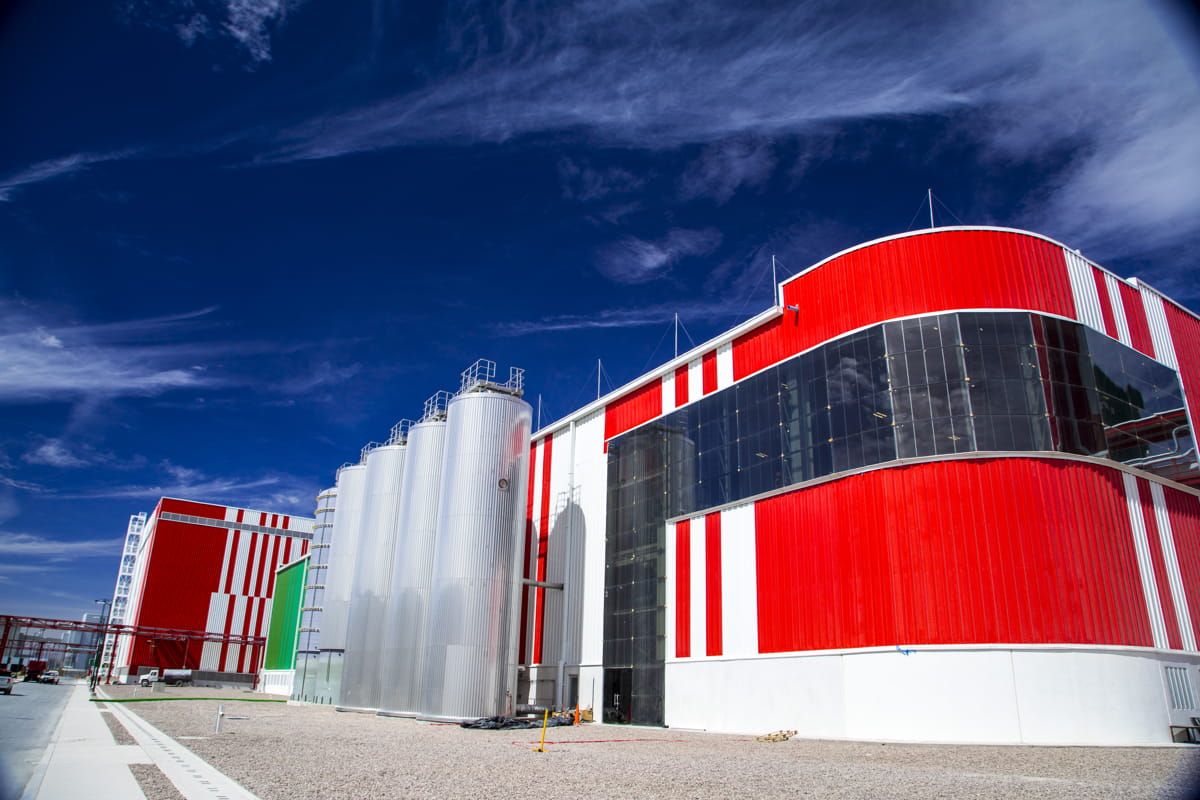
x,y
104,605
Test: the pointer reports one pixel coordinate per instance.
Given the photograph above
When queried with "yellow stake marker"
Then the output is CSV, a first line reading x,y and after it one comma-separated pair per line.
x,y
541,748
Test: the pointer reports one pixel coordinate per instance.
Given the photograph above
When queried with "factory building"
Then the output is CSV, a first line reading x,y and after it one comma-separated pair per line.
x,y
205,567
944,489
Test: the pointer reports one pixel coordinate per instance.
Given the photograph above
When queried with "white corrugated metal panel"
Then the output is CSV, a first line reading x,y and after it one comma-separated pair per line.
x,y
361,680
725,365
1158,625
699,631
401,663
1118,307
1083,289
591,476
1171,561
739,582
695,380
668,392
470,668
1160,332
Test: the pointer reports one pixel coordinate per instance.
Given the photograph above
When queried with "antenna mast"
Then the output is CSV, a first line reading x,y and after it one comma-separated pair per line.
x,y
677,334
598,368
930,196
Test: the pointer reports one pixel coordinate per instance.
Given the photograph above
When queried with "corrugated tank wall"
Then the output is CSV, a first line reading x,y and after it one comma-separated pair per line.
x,y
372,578
401,662
470,666
343,552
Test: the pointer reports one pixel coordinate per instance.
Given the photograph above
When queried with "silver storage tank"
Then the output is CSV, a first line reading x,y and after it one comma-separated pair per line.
x,y
307,685
343,553
372,573
412,563
470,652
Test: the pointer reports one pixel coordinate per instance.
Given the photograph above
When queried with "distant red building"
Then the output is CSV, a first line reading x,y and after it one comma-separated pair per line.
x,y
205,567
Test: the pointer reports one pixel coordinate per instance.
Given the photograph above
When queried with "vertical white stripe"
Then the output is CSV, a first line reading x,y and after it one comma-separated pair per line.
x,y
1171,561
668,392
1083,290
1118,307
240,561
739,582
237,625
695,380
225,560
725,365
1141,544
230,514
670,590
699,623
209,655
1160,331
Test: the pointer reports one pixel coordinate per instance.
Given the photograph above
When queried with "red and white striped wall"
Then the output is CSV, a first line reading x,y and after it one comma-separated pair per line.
x,y
1028,551
200,570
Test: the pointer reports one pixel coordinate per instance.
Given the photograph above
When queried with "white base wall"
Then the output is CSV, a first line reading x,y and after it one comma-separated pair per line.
x,y
276,681
983,695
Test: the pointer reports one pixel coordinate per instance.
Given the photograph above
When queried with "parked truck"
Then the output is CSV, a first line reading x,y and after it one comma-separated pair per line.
x,y
171,677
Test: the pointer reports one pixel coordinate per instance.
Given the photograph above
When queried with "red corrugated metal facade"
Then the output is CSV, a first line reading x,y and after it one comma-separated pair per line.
x,y
189,573
1008,550
905,276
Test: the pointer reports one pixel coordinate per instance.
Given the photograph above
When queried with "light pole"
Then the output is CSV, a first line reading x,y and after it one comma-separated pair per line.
x,y
104,606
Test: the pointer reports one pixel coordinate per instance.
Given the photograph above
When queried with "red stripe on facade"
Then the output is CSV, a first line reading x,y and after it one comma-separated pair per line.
x,y
683,589
226,629
1185,336
1135,317
1159,563
287,552
712,583
1106,309
708,372
935,271
1184,512
1008,550
233,560
206,510
286,519
523,653
641,405
273,565
681,385
251,558
542,548
274,520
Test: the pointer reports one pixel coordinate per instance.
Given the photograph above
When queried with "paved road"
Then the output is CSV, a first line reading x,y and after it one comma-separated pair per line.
x,y
27,718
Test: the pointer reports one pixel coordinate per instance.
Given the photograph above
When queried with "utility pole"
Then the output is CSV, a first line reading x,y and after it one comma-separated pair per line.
x,y
104,614
930,196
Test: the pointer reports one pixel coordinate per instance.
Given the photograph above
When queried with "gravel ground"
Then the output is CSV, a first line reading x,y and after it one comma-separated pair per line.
x,y
119,734
154,782
289,751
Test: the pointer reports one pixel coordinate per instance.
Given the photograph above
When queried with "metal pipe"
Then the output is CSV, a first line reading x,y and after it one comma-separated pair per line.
x,y
541,584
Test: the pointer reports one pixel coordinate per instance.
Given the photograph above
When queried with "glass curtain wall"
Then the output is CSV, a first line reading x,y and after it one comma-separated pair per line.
x,y
937,385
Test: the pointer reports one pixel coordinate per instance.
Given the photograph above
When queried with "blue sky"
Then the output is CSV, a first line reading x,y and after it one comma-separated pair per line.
x,y
240,238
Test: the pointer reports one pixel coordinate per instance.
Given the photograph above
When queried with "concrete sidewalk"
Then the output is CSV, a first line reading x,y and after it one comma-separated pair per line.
x,y
83,761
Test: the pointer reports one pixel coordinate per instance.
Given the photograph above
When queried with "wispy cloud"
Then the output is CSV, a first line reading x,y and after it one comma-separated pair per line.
x,y
1101,82
583,182
725,167
29,544
56,453
53,169
41,359
245,24
631,260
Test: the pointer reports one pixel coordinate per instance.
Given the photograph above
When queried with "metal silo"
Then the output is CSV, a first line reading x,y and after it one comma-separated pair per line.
x,y
401,663
343,553
372,574
470,652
